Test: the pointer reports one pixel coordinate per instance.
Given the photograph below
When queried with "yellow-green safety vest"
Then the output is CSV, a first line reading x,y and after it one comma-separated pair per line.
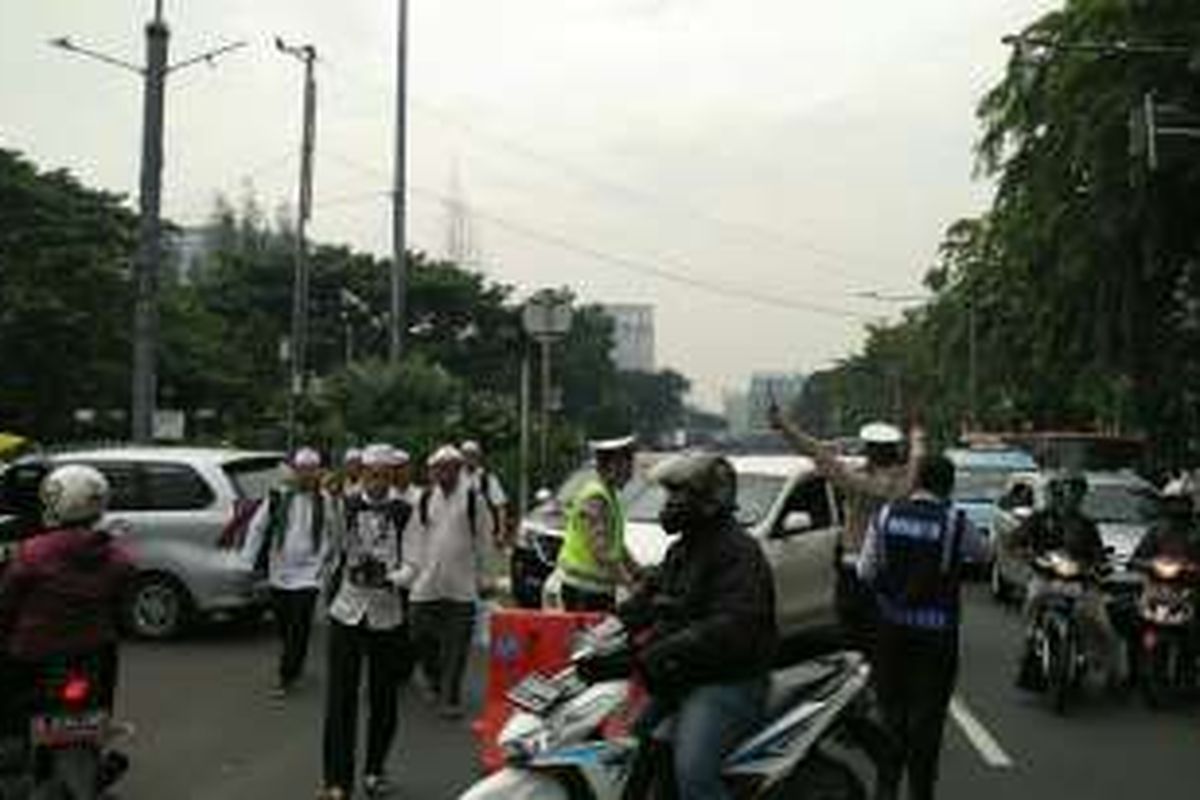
x,y
576,559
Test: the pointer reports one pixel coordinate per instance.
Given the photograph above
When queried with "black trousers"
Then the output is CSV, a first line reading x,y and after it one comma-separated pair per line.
x,y
293,610
915,671
442,637
576,599
386,654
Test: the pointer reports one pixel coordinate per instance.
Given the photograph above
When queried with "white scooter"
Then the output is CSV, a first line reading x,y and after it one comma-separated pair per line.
x,y
810,747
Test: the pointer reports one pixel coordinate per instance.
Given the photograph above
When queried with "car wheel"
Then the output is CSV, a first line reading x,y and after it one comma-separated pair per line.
x,y
157,607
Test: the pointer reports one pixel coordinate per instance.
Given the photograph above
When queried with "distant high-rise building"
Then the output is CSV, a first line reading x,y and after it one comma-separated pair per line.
x,y
633,336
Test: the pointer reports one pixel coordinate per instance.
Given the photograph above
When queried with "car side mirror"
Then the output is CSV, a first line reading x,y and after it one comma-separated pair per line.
x,y
797,522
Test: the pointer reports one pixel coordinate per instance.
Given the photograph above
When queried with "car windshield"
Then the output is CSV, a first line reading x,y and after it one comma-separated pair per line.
x,y
980,485
1119,503
253,477
756,494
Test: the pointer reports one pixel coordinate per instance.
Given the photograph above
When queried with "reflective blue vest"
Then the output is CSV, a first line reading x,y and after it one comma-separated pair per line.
x,y
918,584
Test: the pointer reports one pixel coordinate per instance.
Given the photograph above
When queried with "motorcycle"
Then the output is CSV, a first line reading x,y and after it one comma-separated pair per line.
x,y
66,755
558,744
1057,652
1167,611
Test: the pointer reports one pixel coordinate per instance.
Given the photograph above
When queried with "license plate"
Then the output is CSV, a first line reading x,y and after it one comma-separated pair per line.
x,y
57,730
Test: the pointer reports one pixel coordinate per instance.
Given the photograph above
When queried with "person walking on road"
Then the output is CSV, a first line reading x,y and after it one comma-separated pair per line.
x,y
287,540
369,572
451,538
487,484
352,471
912,560
593,560
402,480
887,476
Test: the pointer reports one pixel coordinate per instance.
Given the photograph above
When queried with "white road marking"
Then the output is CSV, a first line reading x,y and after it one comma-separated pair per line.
x,y
980,737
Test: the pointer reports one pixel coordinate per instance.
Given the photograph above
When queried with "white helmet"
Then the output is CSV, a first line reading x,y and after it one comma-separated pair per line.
x,y
74,495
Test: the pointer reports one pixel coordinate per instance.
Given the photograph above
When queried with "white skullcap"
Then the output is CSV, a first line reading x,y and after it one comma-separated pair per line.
x,y
352,455
400,457
306,458
445,454
377,455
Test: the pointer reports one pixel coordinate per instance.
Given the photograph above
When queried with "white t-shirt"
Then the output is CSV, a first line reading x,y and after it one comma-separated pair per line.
x,y
451,559
294,563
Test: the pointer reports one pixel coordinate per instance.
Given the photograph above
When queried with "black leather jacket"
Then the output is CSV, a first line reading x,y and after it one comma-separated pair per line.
x,y
709,612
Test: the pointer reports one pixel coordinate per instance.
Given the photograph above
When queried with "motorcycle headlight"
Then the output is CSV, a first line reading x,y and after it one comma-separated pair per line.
x,y
1167,569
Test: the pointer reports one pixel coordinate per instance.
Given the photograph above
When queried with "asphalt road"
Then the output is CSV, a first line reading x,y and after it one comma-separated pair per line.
x,y
208,731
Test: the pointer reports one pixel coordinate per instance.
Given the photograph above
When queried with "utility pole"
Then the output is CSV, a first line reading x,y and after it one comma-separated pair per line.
x,y
148,263
149,257
399,276
307,54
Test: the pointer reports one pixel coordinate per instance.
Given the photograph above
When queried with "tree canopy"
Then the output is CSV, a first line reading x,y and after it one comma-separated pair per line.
x,y
1081,282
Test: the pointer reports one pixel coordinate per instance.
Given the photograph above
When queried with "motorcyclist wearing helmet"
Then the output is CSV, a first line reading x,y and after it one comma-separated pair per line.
x,y
1175,534
707,620
61,594
1063,525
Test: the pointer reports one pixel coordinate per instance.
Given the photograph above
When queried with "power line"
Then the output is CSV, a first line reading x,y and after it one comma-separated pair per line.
x,y
636,265
589,178
779,239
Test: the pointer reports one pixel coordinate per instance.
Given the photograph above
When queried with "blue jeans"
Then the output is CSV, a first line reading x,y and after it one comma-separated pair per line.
x,y
707,723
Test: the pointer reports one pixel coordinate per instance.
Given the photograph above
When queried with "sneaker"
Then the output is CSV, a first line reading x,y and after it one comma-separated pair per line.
x,y
332,793
279,691
376,785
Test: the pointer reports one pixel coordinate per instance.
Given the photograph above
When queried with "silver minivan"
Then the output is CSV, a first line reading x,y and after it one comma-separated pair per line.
x,y
174,504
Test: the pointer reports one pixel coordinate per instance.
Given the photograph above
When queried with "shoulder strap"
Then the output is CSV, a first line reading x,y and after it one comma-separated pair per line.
x,y
423,505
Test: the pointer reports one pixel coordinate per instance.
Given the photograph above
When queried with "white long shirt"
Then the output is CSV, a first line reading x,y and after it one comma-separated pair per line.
x,y
451,559
372,536
293,563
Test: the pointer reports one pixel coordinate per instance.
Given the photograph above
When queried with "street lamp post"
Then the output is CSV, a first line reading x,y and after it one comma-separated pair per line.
x,y
547,319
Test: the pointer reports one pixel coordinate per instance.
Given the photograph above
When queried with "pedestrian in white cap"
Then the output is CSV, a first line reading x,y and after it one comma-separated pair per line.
x,y
453,537
288,539
487,484
402,482
593,560
371,572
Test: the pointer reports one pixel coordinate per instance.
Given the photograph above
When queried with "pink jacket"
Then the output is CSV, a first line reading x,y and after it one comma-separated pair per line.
x,y
62,594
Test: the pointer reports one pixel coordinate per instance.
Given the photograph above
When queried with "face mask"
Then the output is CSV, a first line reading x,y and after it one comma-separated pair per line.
x,y
676,516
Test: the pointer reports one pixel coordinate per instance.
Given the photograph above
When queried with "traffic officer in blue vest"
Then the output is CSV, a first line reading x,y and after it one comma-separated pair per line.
x,y
912,559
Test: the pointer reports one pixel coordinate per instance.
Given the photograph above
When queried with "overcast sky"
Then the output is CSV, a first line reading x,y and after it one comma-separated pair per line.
x,y
780,155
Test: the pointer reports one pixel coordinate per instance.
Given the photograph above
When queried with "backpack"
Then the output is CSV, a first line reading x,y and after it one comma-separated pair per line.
x,y
279,505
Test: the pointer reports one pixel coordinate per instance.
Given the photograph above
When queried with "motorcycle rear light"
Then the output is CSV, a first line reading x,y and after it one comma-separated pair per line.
x,y
76,690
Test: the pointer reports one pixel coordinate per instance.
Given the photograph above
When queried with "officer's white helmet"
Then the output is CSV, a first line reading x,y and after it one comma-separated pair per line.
x,y
74,495
881,433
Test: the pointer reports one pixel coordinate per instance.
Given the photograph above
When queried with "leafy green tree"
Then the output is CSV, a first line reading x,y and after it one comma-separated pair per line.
x,y
65,301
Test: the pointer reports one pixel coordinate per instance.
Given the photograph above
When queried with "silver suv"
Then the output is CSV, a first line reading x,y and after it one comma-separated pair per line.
x,y
174,504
